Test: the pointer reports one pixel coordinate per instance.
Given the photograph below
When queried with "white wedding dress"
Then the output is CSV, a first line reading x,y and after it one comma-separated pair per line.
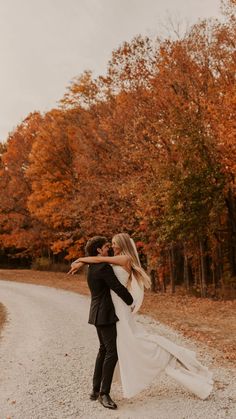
x,y
143,356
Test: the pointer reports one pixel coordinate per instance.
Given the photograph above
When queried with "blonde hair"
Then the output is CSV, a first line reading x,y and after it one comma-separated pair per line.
x,y
127,247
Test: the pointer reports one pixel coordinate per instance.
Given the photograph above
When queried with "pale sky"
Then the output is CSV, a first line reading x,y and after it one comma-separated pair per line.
x,y
44,44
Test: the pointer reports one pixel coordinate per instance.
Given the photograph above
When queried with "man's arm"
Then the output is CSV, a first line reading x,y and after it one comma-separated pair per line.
x,y
113,283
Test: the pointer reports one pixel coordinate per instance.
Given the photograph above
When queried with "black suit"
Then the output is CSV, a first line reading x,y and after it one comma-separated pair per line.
x,y
101,279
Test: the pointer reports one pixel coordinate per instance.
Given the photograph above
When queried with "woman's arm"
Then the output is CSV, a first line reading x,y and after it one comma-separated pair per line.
x,y
122,260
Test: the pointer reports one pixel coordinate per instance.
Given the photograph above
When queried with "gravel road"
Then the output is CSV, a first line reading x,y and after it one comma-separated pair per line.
x,y
47,353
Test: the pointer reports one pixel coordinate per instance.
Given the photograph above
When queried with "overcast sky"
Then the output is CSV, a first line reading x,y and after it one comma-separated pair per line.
x,y
45,43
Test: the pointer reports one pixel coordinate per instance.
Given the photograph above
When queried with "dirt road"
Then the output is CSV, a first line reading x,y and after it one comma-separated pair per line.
x,y
47,353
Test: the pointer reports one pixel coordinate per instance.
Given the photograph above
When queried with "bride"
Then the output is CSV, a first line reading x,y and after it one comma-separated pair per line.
x,y
143,356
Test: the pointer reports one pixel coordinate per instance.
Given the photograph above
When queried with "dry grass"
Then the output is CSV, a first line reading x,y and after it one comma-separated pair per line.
x,y
212,322
3,316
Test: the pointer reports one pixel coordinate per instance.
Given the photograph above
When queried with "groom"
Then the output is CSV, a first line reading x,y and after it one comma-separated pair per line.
x,y
101,279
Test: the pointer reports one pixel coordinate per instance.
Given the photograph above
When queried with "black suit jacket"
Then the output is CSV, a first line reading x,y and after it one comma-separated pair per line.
x,y
101,279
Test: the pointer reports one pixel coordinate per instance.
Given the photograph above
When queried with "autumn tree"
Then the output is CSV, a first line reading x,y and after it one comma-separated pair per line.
x,y
143,149
18,234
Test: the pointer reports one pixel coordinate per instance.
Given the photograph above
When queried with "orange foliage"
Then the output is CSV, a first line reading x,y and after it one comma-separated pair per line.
x,y
143,149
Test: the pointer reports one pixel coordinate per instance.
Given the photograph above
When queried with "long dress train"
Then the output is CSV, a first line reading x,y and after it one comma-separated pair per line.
x,y
143,356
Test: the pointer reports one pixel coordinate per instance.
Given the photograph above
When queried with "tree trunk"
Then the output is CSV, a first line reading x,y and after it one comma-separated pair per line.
x,y
161,280
214,276
220,264
172,268
231,206
203,269
163,283
153,277
186,270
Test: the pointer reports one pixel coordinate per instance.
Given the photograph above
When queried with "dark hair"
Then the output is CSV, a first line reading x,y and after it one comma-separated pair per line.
x,y
93,244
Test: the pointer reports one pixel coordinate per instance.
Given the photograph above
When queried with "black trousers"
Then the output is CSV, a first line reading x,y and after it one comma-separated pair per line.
x,y
106,359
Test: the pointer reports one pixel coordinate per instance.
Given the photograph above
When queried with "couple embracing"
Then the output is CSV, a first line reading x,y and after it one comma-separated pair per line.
x,y
117,288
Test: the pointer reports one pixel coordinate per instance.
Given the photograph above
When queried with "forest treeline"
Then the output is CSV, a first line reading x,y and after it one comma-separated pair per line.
x,y
149,148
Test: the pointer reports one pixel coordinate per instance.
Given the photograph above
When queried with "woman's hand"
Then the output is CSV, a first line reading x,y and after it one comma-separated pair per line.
x,y
75,266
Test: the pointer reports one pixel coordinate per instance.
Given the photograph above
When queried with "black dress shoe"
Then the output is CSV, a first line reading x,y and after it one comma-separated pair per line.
x,y
94,395
106,401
